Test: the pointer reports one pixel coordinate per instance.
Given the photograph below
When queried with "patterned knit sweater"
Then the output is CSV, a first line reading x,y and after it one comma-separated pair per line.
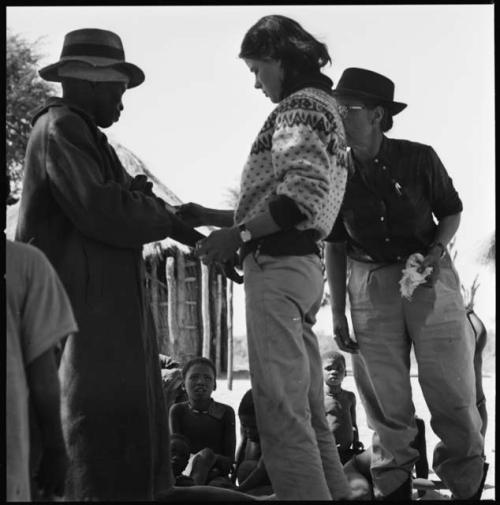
x,y
300,153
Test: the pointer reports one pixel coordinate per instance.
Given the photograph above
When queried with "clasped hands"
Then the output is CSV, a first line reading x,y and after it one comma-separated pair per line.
x,y
221,245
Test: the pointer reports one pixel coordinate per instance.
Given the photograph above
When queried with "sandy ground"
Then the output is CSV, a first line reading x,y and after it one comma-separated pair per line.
x,y
240,386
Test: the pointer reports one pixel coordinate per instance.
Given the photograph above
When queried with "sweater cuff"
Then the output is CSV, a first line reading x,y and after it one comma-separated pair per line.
x,y
285,212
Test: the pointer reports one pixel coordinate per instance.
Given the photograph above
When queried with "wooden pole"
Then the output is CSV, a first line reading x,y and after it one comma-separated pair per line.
x,y
218,323
182,346
173,326
205,311
229,335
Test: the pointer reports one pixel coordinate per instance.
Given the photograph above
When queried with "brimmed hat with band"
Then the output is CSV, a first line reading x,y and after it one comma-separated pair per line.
x,y
95,55
365,84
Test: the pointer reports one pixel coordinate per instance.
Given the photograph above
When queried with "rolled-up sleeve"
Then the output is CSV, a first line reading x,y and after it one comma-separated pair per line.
x,y
445,200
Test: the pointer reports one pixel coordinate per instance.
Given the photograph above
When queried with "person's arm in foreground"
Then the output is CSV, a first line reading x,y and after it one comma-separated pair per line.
x,y
196,215
257,477
356,444
336,268
43,384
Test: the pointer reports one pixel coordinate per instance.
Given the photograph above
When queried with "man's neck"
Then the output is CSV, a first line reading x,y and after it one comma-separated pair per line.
x,y
365,150
80,101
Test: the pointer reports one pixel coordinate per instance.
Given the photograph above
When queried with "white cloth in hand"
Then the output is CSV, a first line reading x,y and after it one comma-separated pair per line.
x,y
411,276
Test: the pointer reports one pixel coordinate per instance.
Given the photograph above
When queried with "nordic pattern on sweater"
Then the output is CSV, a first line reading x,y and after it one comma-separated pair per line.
x,y
299,152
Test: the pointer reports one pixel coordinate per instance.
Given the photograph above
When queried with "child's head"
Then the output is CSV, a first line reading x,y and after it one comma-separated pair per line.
x,y
179,453
334,368
199,378
248,421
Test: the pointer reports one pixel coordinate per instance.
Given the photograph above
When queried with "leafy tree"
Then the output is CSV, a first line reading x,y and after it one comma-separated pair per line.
x,y
25,91
232,196
489,255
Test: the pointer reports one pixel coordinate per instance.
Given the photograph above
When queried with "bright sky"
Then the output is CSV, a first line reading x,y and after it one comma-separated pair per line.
x,y
194,118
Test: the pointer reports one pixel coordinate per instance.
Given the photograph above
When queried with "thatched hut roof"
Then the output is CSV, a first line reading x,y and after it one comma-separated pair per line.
x,y
134,166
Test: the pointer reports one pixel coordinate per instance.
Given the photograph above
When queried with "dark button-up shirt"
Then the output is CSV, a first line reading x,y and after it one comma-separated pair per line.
x,y
389,206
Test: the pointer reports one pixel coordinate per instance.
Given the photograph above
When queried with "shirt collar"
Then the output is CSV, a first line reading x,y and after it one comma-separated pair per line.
x,y
56,101
311,80
383,156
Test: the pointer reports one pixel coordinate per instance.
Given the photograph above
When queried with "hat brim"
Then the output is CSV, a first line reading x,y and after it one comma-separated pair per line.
x,y
394,107
136,75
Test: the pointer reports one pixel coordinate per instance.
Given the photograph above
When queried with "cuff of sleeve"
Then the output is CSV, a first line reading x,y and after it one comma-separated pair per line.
x,y
285,212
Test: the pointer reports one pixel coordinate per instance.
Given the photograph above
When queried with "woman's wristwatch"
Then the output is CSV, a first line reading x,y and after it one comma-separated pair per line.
x,y
245,233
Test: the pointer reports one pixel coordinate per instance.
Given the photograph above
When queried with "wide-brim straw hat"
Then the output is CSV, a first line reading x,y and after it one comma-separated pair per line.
x,y
366,84
100,50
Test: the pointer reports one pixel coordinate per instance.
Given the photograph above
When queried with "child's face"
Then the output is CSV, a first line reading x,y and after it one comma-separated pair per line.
x,y
249,427
179,456
333,372
199,382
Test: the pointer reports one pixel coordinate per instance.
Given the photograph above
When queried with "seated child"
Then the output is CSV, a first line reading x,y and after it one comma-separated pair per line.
x,y
357,468
478,330
250,470
357,471
340,407
207,424
179,457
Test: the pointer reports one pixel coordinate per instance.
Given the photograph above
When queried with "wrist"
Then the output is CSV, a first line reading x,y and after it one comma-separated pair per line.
x,y
236,234
437,248
245,235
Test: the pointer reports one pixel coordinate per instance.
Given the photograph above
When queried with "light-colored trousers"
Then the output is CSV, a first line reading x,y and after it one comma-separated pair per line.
x,y
283,295
386,326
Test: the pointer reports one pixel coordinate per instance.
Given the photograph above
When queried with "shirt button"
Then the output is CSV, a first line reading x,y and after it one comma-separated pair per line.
x,y
376,160
387,239
384,167
382,218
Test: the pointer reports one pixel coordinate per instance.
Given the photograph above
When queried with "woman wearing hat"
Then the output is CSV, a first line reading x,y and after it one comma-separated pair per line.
x,y
394,195
291,189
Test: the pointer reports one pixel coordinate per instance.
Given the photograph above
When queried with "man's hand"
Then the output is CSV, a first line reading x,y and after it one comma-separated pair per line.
x,y
229,269
171,382
358,447
192,214
140,183
341,334
52,472
219,246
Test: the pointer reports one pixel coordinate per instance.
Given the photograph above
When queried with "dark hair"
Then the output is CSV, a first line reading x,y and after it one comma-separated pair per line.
x,y
387,122
335,356
198,361
281,38
246,407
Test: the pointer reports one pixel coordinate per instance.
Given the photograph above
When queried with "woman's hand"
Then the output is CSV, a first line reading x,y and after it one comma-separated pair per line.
x,y
219,246
193,214
341,334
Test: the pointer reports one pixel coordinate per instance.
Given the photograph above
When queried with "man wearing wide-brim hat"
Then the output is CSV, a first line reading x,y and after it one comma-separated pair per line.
x,y
395,194
91,218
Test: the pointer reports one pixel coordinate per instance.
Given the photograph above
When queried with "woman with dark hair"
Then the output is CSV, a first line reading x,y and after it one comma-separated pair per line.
x,y
291,190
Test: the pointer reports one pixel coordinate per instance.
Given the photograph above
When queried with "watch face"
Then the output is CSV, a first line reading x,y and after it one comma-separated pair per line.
x,y
245,235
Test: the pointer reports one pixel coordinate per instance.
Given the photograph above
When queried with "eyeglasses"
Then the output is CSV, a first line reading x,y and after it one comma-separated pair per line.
x,y
344,109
